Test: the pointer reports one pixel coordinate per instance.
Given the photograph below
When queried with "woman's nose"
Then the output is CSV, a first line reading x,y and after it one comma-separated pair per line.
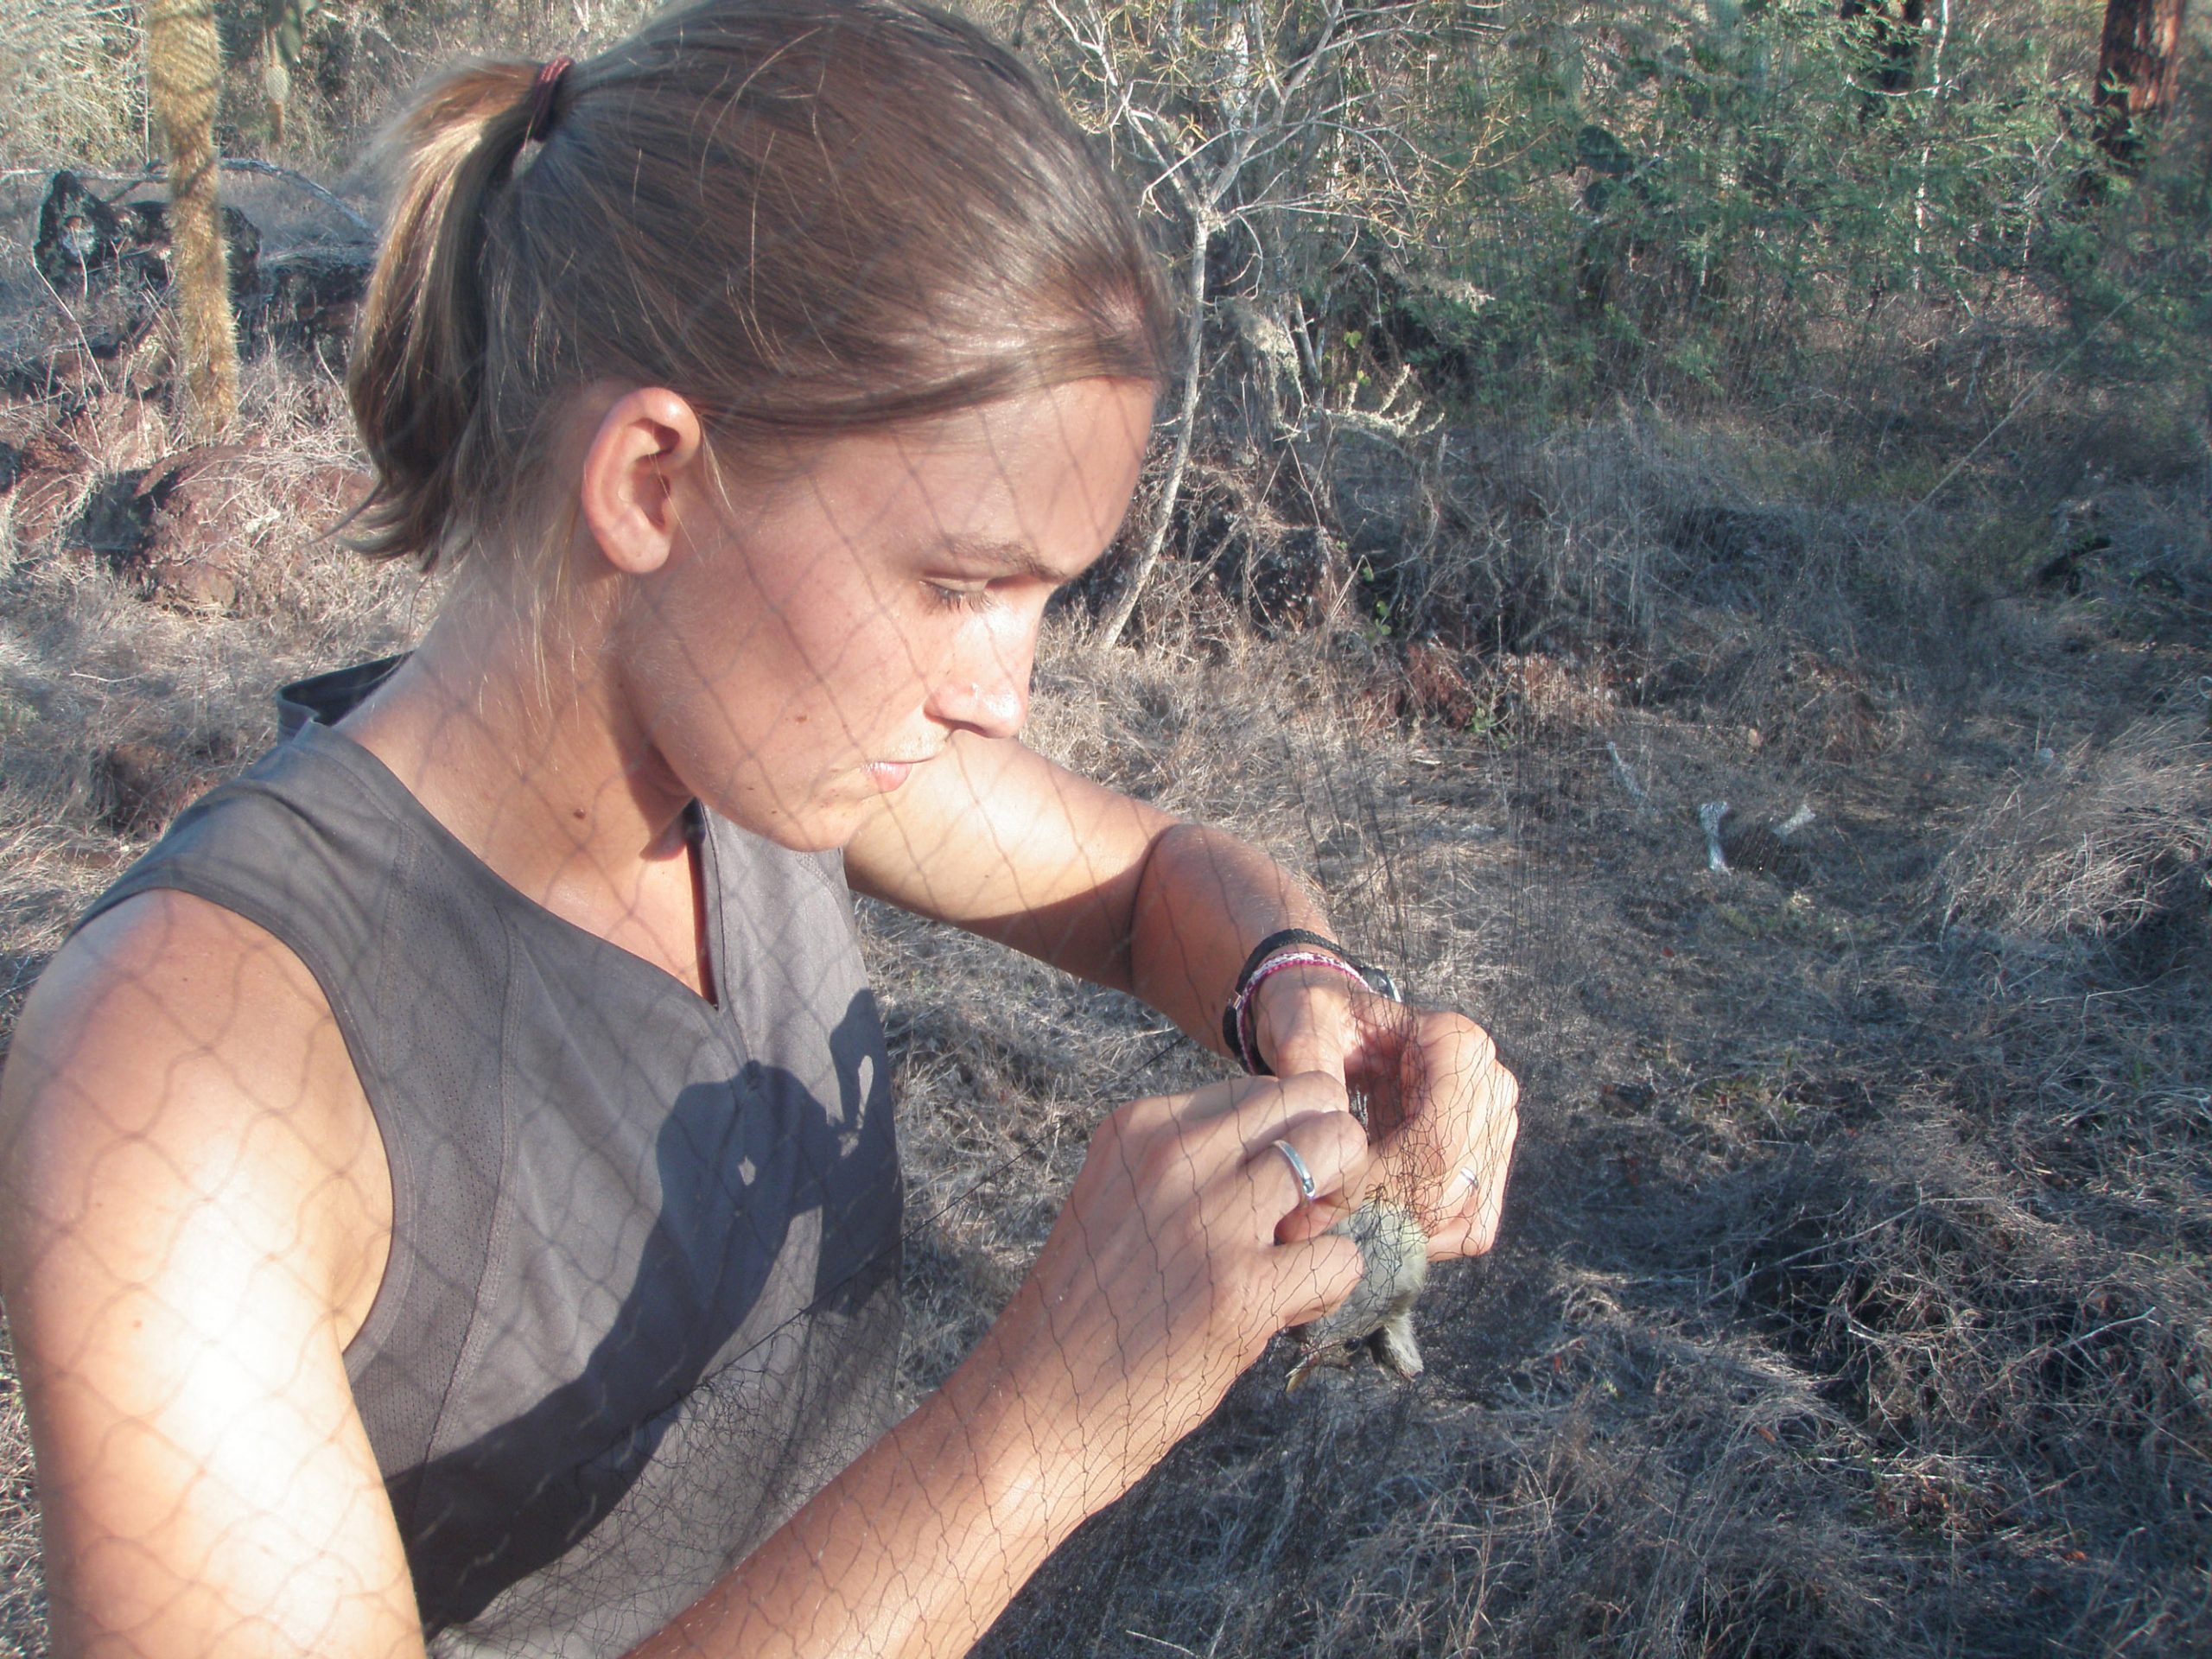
x,y
987,687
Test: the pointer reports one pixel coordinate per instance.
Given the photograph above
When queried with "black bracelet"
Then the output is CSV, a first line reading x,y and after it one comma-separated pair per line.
x,y
1378,982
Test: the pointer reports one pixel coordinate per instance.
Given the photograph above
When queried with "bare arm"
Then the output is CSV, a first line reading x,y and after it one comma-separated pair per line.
x,y
1162,1282
996,839
186,1194
191,1194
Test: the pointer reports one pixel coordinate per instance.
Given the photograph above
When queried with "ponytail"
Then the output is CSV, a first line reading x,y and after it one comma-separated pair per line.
x,y
416,380
809,218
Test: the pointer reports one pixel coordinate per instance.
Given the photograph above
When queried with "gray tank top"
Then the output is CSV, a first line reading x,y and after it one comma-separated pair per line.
x,y
643,1296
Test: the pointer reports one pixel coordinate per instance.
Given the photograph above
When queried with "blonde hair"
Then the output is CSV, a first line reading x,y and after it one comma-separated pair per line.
x,y
807,217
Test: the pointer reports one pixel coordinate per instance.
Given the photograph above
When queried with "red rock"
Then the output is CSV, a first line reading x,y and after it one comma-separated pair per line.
x,y
119,432
320,499
54,471
1439,686
142,785
188,526
51,447
201,505
194,584
43,502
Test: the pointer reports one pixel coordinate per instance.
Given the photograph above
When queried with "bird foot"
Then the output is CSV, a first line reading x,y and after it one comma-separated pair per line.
x,y
1391,1344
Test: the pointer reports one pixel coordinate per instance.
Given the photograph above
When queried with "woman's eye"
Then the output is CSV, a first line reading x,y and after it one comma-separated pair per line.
x,y
958,598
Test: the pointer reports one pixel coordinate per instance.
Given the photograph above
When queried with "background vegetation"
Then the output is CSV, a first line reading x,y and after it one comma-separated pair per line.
x,y
1600,411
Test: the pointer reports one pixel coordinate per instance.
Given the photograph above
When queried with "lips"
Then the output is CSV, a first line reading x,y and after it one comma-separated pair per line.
x,y
888,775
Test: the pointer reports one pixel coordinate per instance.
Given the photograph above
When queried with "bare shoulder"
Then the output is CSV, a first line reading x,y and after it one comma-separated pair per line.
x,y
176,1056
193,1210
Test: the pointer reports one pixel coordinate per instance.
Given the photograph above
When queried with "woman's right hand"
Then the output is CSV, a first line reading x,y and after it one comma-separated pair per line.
x,y
1162,1280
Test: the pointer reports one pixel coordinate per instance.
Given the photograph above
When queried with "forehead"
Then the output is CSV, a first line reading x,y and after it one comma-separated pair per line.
x,y
1044,478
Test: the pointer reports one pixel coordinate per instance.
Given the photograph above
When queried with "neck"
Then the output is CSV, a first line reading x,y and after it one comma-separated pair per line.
x,y
517,737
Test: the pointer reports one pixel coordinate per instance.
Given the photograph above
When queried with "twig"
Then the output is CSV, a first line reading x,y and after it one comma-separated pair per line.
x,y
1736,1285
2019,404
1709,816
1628,779
1173,1646
270,169
2091,1336
230,164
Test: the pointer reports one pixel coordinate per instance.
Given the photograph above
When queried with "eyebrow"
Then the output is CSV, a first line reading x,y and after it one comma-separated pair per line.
x,y
1004,558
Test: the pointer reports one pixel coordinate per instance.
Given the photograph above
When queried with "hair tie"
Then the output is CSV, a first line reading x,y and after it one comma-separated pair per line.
x,y
541,91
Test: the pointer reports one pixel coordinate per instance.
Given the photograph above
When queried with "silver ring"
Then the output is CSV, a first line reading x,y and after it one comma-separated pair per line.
x,y
1472,1179
1307,1191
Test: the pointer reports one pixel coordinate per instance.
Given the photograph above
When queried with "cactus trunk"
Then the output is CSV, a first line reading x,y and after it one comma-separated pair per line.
x,y
184,64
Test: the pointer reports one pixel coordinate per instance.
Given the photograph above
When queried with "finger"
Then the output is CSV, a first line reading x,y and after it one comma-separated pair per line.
x,y
1467,1206
1312,1220
1456,1050
1330,1147
1228,1128
1312,1039
1476,1235
1459,1100
1314,1276
1226,1102
1386,1062
1470,1224
1260,1100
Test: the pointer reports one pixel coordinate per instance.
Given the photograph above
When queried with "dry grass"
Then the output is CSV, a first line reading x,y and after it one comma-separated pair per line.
x,y
66,61
1854,1298
2108,840
22,1597
119,699
1801,1341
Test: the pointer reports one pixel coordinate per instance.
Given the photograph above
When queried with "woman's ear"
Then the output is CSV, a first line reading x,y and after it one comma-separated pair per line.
x,y
647,440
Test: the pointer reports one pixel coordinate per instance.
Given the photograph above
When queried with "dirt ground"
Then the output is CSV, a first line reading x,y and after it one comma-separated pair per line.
x,y
1853,1298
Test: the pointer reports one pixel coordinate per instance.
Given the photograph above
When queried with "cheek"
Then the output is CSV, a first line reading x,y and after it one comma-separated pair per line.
x,y
828,616
860,677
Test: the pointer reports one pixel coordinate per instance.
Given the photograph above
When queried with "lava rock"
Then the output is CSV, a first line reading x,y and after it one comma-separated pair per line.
x,y
83,241
148,224
140,787
53,471
118,519
311,297
115,431
78,235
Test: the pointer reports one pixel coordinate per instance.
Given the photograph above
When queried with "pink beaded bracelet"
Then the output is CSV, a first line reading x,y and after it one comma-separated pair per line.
x,y
1240,1010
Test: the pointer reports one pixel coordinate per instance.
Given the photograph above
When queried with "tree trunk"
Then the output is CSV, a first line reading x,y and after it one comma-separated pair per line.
x,y
2136,73
1194,334
184,79
1888,43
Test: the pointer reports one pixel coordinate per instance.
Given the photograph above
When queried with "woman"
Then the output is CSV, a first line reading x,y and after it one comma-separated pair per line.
x,y
449,1192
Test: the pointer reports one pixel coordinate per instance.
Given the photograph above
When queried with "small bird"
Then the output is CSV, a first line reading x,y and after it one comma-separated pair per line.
x,y
1379,1313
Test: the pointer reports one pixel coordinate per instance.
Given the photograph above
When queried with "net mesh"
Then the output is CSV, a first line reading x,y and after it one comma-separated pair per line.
x,y
1679,536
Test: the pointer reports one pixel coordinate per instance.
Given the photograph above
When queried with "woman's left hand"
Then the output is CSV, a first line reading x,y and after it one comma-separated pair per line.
x,y
1442,1104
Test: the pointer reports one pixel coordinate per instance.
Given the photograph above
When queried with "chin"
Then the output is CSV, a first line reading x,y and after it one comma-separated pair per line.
x,y
821,813
818,829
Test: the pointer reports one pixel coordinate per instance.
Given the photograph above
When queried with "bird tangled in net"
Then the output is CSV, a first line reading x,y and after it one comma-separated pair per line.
x,y
1394,1216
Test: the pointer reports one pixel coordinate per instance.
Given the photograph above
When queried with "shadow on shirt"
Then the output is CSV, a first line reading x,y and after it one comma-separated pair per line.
x,y
740,1166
